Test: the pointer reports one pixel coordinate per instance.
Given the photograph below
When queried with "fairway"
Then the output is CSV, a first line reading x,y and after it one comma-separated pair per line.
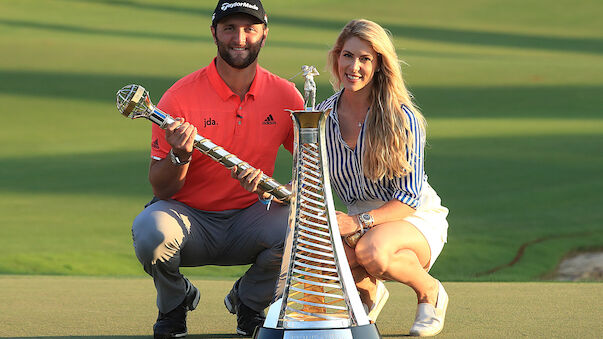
x,y
60,307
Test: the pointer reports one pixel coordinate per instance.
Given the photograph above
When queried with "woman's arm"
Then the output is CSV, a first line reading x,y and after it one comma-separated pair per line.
x,y
392,210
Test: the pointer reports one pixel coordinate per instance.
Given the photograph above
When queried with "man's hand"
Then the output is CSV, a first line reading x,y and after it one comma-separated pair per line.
x,y
249,179
181,136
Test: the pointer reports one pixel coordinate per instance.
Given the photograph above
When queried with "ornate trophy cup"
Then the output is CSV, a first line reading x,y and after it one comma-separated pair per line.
x,y
133,102
319,297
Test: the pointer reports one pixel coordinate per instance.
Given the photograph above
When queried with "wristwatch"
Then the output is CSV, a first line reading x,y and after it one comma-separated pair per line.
x,y
177,161
366,220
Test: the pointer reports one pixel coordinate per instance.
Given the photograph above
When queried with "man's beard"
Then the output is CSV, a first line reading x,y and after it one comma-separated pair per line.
x,y
252,49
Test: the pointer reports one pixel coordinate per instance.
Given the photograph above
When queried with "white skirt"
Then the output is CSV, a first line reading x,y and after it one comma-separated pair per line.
x,y
429,218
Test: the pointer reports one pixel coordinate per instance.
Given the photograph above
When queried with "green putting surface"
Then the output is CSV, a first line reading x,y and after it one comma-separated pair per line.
x,y
60,307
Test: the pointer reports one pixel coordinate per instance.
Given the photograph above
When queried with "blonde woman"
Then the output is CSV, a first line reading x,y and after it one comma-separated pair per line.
x,y
395,227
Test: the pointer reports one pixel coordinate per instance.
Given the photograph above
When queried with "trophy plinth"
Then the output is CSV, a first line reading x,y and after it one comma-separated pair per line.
x,y
319,297
357,332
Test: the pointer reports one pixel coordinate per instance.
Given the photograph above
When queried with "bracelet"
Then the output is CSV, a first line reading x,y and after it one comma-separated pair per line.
x,y
266,201
353,238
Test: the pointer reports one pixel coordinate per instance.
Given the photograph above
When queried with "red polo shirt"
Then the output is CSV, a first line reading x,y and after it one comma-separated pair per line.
x,y
252,129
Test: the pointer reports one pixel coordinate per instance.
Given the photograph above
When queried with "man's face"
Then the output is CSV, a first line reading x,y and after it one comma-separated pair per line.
x,y
239,39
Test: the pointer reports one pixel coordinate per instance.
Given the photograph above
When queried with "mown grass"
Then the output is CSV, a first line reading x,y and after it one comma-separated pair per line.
x,y
104,308
511,91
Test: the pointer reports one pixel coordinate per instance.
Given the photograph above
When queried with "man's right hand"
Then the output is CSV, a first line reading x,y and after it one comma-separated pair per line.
x,y
181,136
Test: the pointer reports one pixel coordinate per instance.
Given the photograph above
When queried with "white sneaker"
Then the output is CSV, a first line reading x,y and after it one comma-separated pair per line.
x,y
381,297
429,320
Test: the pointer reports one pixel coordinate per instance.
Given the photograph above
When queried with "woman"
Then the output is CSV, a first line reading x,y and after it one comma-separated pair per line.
x,y
395,227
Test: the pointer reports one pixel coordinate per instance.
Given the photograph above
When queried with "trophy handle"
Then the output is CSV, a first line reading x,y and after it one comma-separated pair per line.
x,y
133,102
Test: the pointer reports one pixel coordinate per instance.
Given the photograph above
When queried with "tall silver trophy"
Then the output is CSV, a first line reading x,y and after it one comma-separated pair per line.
x,y
319,298
133,102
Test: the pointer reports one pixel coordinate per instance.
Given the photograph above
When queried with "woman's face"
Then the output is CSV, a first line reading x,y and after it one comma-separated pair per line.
x,y
357,64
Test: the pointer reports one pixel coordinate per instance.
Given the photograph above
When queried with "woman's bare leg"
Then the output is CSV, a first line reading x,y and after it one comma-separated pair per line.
x,y
398,251
365,283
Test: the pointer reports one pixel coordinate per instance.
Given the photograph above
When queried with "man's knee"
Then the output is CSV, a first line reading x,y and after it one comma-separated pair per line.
x,y
156,237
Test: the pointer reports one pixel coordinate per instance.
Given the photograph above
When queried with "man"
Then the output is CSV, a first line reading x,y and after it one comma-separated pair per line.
x,y
204,216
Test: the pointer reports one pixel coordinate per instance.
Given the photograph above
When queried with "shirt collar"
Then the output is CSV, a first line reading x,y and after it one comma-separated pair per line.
x,y
334,114
257,82
222,88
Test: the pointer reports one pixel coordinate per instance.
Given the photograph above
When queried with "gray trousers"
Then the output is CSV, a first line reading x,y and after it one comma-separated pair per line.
x,y
168,235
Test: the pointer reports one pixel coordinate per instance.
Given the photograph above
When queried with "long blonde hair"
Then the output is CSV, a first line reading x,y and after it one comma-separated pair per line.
x,y
389,150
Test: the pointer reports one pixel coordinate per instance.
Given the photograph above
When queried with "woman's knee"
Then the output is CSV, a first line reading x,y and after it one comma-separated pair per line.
x,y
375,259
379,259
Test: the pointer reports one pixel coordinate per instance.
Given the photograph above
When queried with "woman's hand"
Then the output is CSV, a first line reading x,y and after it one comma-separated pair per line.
x,y
347,224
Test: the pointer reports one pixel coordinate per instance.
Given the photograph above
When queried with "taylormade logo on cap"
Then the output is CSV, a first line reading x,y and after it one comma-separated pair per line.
x,y
253,8
227,5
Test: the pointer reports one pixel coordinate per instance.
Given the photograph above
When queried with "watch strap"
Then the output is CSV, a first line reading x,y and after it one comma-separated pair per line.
x,y
366,220
176,160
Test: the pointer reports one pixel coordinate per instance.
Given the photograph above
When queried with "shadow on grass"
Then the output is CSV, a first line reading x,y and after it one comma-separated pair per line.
x,y
120,33
80,86
443,101
459,36
122,173
501,167
78,173
62,28
188,10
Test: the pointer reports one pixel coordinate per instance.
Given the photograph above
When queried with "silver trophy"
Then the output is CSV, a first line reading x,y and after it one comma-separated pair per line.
x,y
133,102
319,298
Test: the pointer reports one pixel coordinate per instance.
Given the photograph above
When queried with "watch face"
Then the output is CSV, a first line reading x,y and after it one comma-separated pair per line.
x,y
367,218
174,158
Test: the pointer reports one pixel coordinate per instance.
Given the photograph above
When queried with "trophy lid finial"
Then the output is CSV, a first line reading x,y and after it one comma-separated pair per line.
x,y
309,86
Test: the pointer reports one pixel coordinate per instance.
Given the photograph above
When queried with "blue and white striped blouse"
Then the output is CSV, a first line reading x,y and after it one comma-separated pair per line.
x,y
345,165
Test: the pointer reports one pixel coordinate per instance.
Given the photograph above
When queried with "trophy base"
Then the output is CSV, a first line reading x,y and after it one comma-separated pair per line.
x,y
369,331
